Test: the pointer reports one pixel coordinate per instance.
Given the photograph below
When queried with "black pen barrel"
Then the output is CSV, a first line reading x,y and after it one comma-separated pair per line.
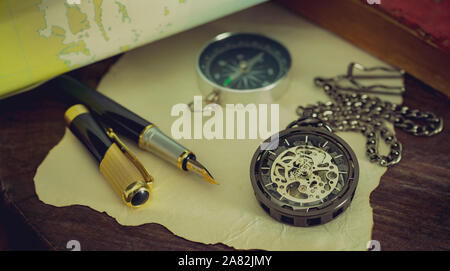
x,y
88,131
114,115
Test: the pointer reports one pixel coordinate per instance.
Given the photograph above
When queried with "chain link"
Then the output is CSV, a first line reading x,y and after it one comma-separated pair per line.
x,y
361,113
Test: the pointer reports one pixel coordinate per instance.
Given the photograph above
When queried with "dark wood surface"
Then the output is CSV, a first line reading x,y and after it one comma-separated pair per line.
x,y
371,29
411,204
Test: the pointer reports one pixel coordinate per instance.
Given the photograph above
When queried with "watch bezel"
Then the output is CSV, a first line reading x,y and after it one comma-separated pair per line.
x,y
314,215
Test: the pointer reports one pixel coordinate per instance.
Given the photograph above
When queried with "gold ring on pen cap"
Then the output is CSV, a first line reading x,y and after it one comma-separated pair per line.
x,y
74,111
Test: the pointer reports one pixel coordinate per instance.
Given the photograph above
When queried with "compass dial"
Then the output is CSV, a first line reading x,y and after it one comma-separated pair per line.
x,y
243,61
308,179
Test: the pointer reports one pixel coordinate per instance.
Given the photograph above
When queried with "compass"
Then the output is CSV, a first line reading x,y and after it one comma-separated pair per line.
x,y
308,179
243,68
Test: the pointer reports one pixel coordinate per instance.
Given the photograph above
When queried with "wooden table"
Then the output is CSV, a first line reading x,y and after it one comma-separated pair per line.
x,y
411,204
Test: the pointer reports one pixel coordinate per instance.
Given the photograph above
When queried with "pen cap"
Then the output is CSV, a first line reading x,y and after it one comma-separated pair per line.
x,y
126,179
129,179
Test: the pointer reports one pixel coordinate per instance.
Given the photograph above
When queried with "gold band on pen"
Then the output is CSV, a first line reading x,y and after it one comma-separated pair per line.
x,y
140,143
181,159
74,111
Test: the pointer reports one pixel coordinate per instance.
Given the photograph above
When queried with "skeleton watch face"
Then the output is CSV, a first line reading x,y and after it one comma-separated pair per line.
x,y
308,179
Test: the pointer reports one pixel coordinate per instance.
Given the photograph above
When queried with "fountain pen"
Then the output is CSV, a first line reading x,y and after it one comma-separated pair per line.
x,y
123,121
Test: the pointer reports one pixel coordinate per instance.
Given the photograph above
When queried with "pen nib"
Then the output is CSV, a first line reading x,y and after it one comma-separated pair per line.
x,y
199,169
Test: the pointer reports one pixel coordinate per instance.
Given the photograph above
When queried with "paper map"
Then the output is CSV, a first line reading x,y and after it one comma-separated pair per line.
x,y
45,38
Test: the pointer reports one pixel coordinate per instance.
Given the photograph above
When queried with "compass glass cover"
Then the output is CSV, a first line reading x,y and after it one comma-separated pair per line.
x,y
244,61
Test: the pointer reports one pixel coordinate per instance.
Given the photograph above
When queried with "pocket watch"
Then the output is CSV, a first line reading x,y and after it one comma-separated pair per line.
x,y
308,178
243,68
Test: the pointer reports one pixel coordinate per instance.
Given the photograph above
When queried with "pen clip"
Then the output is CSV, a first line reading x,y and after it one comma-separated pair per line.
x,y
147,177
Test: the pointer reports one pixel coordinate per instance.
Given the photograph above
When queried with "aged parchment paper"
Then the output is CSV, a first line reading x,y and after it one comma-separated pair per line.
x,y
152,79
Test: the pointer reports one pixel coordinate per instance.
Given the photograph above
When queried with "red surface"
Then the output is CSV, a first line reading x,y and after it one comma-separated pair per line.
x,y
430,18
